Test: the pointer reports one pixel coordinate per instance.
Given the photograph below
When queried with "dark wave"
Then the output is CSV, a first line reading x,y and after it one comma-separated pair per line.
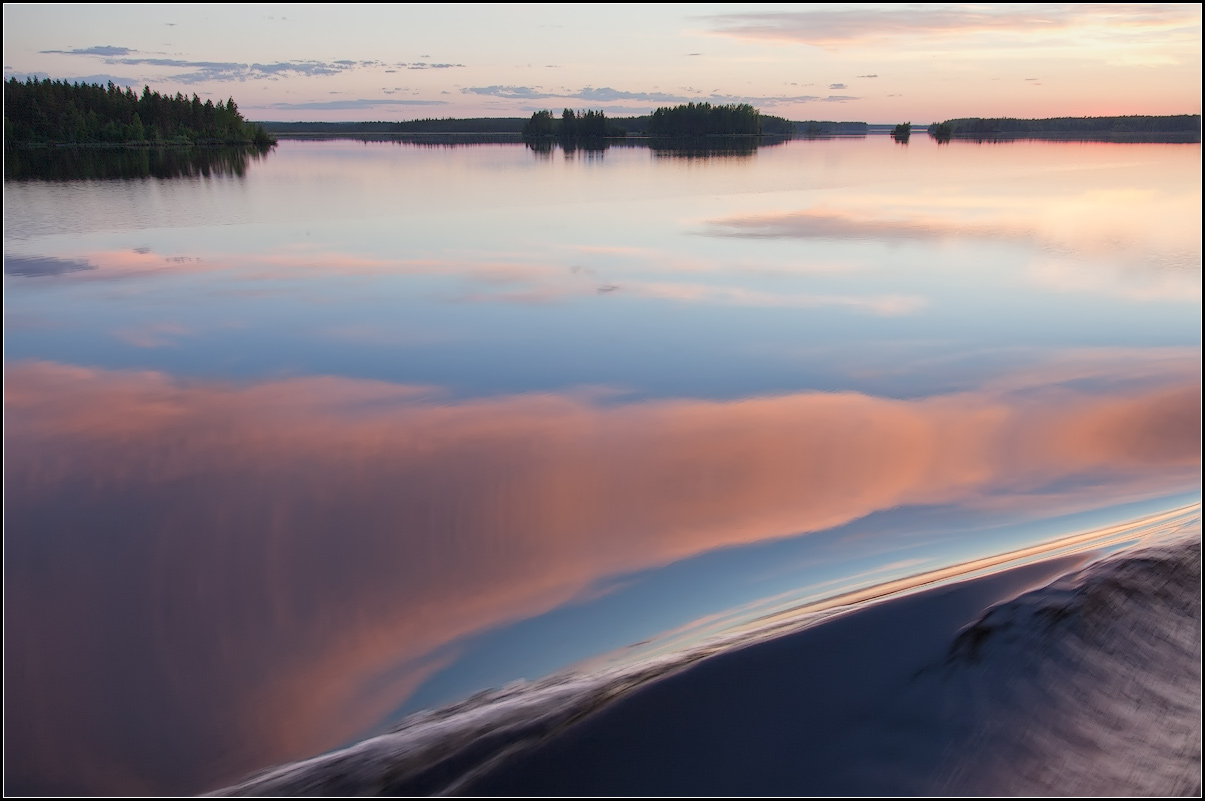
x,y
1089,685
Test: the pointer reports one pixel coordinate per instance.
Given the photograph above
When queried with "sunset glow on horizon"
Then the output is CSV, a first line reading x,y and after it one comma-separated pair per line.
x,y
873,63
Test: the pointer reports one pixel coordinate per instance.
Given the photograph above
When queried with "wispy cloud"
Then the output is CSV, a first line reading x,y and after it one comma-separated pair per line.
x,y
98,50
209,71
829,28
101,78
336,105
836,86
520,92
606,94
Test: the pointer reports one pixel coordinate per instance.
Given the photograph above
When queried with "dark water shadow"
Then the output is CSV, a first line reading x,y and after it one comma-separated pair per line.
x,y
710,147
703,147
124,163
424,139
41,266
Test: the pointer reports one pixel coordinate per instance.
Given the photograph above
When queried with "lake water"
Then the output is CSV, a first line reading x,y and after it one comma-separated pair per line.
x,y
298,445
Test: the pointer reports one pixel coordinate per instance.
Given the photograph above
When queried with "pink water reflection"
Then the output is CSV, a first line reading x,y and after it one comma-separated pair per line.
x,y
242,574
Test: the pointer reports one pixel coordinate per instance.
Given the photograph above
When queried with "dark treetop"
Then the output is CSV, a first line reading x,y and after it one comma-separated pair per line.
x,y
57,112
1176,128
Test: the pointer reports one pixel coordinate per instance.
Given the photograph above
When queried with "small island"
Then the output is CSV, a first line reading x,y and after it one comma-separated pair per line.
x,y
587,129
46,112
686,125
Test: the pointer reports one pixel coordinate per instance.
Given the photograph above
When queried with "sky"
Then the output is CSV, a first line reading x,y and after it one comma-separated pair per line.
x,y
868,62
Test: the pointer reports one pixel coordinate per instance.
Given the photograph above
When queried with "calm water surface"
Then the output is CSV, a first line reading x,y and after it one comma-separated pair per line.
x,y
357,429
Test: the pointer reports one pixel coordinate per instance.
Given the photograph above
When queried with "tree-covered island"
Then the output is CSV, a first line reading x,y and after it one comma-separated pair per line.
x,y
574,129
51,112
1136,128
683,123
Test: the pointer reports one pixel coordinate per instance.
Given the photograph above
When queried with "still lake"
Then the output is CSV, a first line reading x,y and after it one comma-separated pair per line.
x,y
300,444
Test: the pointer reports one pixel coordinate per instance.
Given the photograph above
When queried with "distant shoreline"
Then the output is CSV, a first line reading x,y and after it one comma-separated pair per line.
x,y
1179,128
1176,129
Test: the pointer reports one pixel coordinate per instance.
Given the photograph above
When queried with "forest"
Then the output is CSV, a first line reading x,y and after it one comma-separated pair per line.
x,y
57,112
582,128
1177,128
704,119
687,121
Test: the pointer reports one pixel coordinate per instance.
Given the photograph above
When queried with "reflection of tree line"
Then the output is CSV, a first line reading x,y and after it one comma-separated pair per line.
x,y
420,139
695,148
73,164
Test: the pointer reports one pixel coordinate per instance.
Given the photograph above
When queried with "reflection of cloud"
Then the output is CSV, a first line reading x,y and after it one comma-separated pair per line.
x,y
153,335
35,266
496,281
248,574
889,305
842,225
1137,255
1134,282
378,334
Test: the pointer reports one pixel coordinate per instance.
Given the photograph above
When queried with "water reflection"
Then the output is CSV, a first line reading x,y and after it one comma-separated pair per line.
x,y
712,146
204,578
108,163
216,561
692,148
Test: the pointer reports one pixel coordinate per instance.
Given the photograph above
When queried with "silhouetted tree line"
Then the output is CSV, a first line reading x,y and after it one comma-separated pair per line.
x,y
811,128
55,112
1182,127
902,132
540,126
941,131
704,119
587,129
776,126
